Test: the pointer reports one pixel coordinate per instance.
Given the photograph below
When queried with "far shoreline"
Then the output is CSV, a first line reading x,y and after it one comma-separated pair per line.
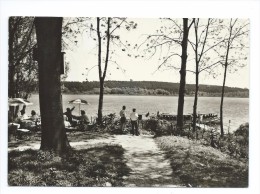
x,y
201,96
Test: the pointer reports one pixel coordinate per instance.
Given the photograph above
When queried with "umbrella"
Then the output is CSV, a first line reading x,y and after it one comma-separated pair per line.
x,y
79,102
18,101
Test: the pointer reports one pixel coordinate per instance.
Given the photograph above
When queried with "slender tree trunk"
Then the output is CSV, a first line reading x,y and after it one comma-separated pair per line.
x,y
195,100
196,23
100,102
48,33
101,81
222,102
184,45
102,77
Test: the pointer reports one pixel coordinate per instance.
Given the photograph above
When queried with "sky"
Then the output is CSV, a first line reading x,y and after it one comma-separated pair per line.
x,y
83,56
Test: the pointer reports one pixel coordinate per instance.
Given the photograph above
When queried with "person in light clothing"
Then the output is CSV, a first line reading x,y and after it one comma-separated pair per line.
x,y
134,122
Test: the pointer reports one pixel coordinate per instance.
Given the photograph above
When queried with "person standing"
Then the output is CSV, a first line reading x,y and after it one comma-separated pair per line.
x,y
134,122
122,118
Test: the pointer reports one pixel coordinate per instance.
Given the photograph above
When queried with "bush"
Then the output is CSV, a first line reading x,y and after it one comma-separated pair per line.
x,y
235,144
160,127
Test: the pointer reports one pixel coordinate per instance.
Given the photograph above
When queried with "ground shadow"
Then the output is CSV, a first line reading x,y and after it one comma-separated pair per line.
x,y
103,165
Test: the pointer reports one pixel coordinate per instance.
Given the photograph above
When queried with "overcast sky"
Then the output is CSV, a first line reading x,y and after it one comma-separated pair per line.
x,y
84,55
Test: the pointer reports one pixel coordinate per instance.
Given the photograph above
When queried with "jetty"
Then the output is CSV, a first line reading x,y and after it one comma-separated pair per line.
x,y
204,118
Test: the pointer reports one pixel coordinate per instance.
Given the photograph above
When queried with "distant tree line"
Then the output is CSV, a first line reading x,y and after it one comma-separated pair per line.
x,y
148,88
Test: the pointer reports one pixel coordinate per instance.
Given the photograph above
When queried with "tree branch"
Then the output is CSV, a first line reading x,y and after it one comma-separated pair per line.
x,y
174,54
124,19
208,67
205,39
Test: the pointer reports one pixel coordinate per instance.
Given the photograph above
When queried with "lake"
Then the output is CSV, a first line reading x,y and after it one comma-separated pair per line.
x,y
235,109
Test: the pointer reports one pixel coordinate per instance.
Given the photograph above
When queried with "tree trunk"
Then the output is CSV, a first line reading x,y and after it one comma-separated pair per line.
x,y
100,102
11,71
195,100
222,102
48,33
184,45
11,66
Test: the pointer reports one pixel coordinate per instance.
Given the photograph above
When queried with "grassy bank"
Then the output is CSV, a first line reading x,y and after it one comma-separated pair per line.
x,y
102,165
202,166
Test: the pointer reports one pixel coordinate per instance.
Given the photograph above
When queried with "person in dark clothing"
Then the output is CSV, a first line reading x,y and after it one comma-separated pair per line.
x,y
69,115
122,119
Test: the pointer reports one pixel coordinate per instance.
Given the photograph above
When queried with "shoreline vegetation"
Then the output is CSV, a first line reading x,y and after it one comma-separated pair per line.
x,y
149,88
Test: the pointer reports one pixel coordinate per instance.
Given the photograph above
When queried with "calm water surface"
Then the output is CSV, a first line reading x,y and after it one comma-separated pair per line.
x,y
235,109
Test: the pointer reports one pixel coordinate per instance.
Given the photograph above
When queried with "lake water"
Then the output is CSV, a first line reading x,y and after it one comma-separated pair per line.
x,y
235,109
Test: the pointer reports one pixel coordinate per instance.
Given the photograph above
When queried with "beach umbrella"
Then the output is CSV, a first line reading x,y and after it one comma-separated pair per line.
x,y
18,101
79,102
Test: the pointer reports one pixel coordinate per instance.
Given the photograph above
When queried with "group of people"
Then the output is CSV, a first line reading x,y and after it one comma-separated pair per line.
x,y
24,116
133,118
24,119
82,120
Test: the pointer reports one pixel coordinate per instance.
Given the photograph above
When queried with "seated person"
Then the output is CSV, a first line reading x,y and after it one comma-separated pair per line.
x,y
23,116
33,116
83,121
66,123
69,115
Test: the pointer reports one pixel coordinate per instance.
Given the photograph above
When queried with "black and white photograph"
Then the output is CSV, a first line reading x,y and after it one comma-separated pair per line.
x,y
101,101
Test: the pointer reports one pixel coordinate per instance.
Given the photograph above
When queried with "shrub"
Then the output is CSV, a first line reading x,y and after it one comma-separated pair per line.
x,y
234,144
159,127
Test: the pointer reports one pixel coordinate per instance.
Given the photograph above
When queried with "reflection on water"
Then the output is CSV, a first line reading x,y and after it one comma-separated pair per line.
x,y
235,109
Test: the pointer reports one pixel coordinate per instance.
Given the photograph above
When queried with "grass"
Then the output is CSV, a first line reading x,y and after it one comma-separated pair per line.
x,y
202,166
193,164
72,136
102,165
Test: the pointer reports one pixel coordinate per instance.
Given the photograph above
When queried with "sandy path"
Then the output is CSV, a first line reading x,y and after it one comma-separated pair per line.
x,y
147,163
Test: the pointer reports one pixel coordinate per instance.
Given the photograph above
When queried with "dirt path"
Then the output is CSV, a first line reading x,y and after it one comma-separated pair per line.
x,y
147,163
